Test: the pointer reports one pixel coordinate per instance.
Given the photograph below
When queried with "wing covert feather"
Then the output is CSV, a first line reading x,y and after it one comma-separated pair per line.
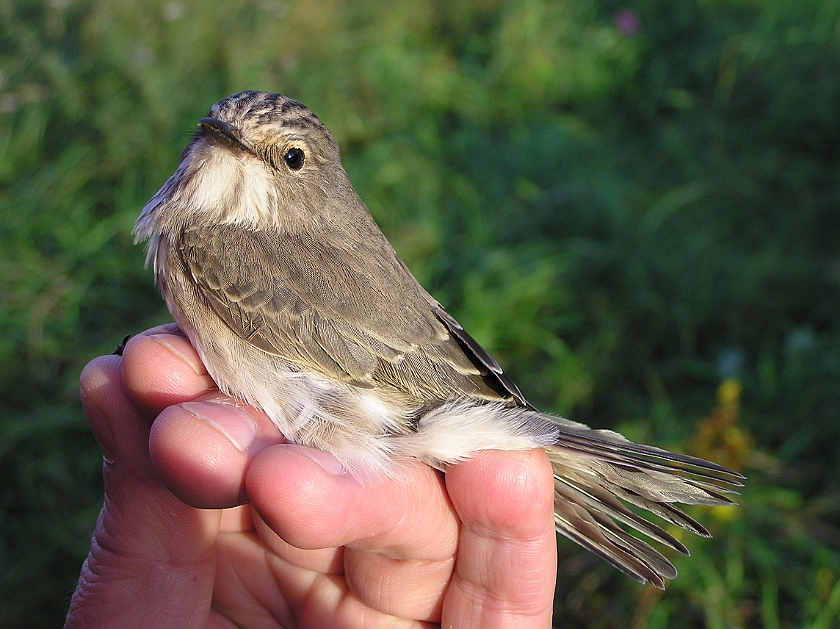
x,y
363,325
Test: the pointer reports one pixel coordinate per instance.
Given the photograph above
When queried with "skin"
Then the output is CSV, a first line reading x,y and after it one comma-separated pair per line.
x,y
212,520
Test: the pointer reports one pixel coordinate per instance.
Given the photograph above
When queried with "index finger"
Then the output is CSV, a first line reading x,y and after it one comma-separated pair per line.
x,y
318,506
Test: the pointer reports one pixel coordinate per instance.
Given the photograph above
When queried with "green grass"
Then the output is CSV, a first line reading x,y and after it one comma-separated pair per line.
x,y
624,219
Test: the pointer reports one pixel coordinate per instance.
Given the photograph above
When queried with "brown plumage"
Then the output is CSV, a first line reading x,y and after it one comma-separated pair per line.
x,y
296,302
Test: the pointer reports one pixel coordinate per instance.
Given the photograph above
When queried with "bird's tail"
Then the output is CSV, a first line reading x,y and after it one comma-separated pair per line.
x,y
597,473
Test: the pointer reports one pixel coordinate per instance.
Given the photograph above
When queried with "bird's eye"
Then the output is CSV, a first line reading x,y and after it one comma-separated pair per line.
x,y
294,159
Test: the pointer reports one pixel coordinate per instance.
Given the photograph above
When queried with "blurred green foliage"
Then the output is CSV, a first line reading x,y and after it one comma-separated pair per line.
x,y
627,205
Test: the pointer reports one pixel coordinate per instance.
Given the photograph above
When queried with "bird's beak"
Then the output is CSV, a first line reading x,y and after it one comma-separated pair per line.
x,y
221,132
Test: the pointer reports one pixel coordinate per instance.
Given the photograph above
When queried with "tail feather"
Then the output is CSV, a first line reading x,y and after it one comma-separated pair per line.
x,y
634,558
613,447
666,511
648,555
599,501
595,470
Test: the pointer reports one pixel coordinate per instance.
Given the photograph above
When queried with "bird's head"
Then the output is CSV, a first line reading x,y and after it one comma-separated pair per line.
x,y
258,159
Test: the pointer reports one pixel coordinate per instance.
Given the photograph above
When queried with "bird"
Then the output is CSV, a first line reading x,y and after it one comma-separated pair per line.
x,y
298,305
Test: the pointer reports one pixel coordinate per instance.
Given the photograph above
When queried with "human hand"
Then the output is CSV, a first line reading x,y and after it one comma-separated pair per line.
x,y
212,520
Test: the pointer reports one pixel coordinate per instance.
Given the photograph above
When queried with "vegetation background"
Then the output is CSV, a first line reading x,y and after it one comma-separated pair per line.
x,y
635,207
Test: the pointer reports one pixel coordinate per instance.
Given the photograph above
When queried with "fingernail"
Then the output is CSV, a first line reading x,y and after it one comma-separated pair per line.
x,y
182,349
327,461
233,423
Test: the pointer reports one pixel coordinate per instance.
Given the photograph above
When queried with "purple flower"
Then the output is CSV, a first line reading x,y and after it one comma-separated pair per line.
x,y
627,22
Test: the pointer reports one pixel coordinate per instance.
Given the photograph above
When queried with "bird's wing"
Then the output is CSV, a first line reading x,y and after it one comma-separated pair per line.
x,y
303,299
